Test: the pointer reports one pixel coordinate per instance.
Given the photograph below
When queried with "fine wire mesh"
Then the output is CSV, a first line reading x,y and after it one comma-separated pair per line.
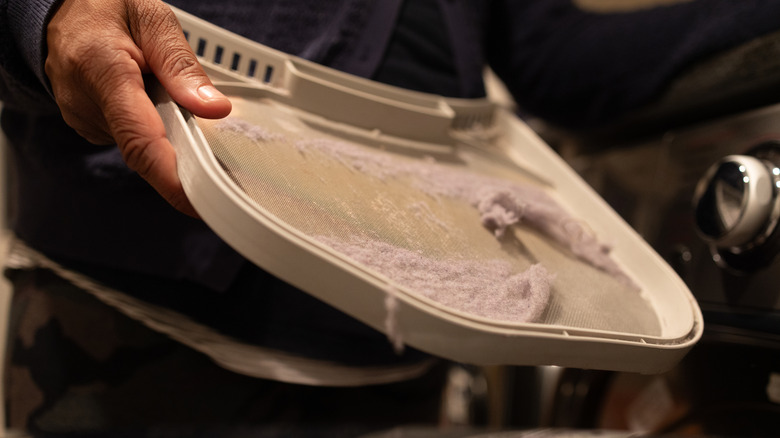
x,y
270,158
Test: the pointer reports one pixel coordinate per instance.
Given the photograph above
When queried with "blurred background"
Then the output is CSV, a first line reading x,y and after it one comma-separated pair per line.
x,y
647,165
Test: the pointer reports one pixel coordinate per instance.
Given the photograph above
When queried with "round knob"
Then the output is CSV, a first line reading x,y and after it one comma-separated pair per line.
x,y
734,201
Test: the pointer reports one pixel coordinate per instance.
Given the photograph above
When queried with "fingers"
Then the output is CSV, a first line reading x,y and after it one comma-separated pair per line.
x,y
168,55
140,135
98,50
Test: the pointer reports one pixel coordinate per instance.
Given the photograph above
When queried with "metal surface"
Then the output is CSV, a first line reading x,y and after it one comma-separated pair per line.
x,y
736,208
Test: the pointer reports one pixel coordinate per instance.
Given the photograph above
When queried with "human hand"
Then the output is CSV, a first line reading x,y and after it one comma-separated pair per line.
x,y
97,53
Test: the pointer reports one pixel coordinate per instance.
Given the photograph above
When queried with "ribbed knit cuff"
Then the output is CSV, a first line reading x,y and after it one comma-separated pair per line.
x,y
27,21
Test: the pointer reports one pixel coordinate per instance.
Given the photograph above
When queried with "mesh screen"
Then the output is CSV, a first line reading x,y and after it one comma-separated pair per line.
x,y
472,234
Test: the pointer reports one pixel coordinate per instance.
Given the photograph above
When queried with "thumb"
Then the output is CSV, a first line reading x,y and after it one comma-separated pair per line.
x,y
167,54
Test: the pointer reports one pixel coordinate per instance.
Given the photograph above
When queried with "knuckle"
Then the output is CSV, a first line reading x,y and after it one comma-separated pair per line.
x,y
157,29
153,20
91,133
65,61
84,117
96,138
180,62
85,63
134,153
49,65
106,83
151,15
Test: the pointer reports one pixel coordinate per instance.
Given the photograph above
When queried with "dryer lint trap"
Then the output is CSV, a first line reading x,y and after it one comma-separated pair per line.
x,y
445,223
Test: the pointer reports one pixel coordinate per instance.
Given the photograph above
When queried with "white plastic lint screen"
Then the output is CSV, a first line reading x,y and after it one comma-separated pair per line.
x,y
445,223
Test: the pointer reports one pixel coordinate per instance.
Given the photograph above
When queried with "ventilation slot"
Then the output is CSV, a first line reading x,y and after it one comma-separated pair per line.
x,y
269,73
252,68
235,61
218,55
201,47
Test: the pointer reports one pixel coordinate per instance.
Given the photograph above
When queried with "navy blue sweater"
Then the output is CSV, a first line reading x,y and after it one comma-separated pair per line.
x,y
80,204
568,66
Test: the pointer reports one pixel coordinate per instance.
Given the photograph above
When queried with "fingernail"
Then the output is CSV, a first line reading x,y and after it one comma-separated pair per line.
x,y
208,92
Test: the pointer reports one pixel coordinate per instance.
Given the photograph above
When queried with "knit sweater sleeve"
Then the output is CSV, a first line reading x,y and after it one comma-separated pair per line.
x,y
23,82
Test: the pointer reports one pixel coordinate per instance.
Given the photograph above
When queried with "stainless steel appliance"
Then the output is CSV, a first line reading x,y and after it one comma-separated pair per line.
x,y
697,173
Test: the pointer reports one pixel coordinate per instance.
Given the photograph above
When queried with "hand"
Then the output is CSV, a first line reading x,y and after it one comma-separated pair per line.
x,y
97,52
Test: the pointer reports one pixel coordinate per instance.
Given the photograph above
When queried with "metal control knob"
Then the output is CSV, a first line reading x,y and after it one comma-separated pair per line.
x,y
735,204
734,201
